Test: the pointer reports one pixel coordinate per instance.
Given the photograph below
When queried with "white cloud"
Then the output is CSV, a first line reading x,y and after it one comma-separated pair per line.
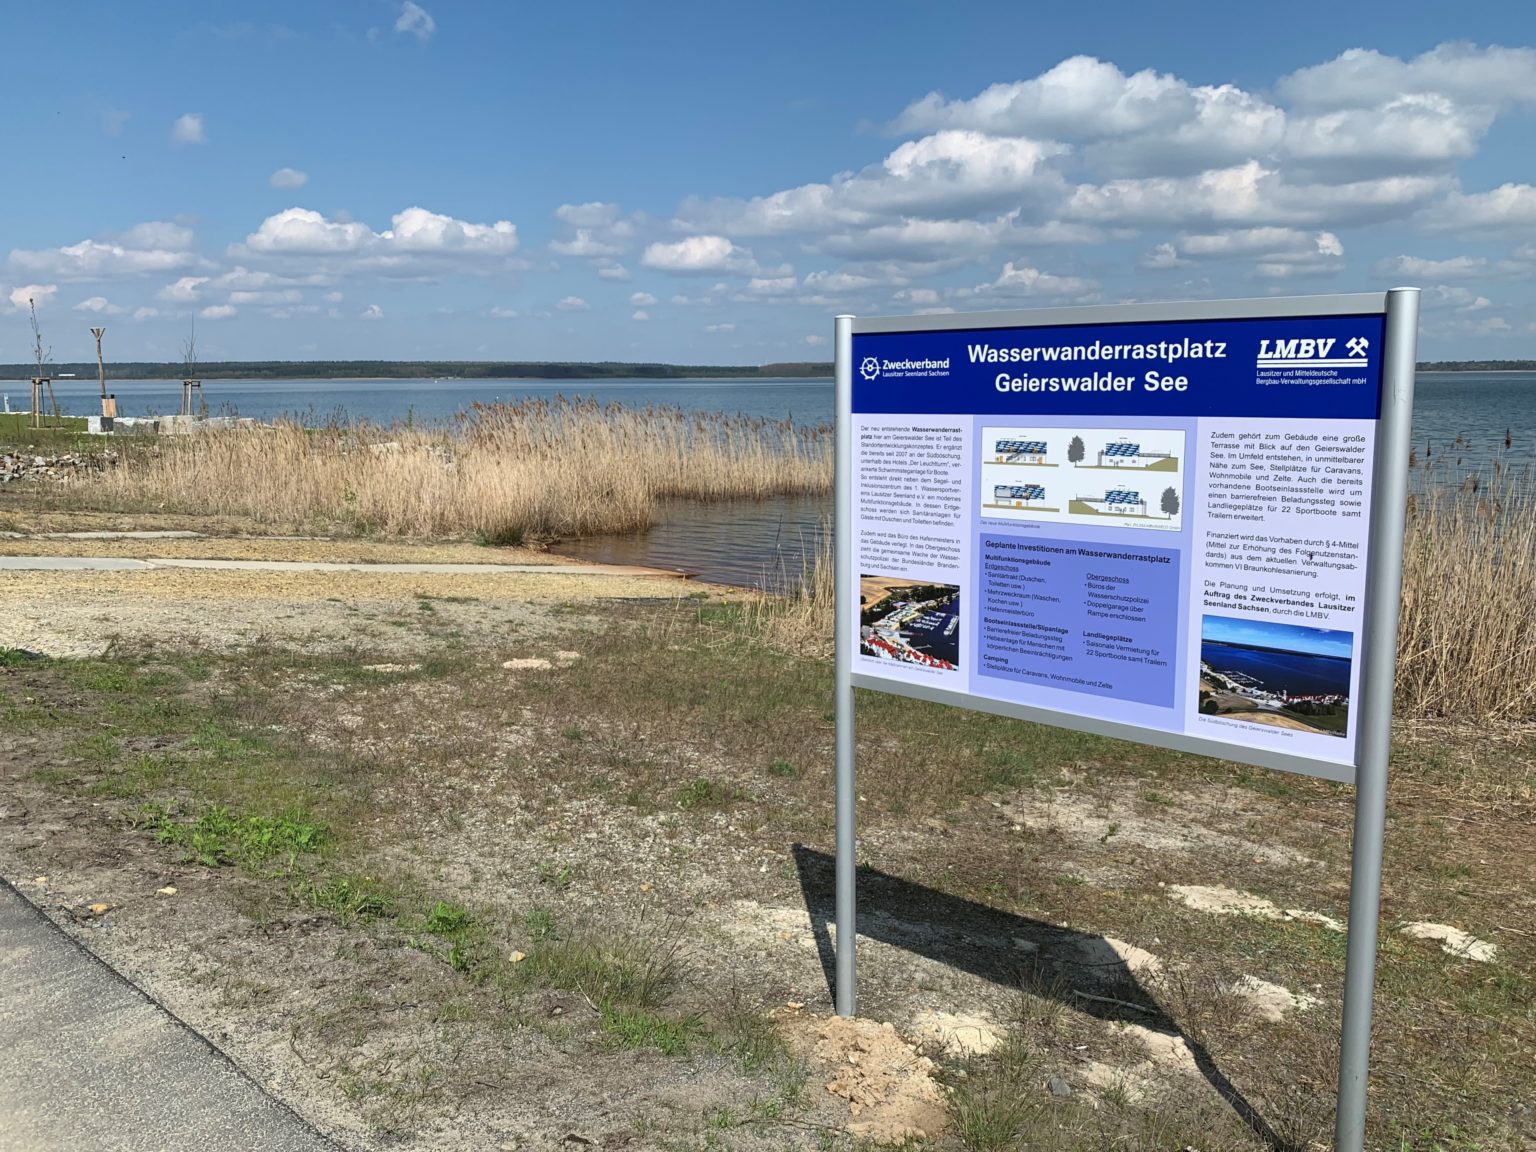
x,y
334,297
698,254
189,129
815,341
573,304
271,296
772,286
1362,77
158,235
217,312
247,279
1085,153
1021,280
505,313
1163,257
1363,112
1456,297
415,21
39,294
288,313
371,312
719,327
1162,117
1365,139
100,305
415,235
585,243
641,314
597,234
145,313
592,215
156,246
916,296
288,178
945,242
1249,195
1408,133
302,231
184,291
937,176
642,299
1418,268
1278,252
1507,206
418,230
835,283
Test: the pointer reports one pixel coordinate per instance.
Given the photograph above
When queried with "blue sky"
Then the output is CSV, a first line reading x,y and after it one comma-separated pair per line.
x,y
711,183
1268,634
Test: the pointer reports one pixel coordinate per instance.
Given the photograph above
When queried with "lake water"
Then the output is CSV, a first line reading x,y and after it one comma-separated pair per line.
x,y
1299,673
1461,420
436,401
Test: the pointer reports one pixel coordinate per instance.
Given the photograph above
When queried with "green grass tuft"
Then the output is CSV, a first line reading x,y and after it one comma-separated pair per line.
x,y
218,837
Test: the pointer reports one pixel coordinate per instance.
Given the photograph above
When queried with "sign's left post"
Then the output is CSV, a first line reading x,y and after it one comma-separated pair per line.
x,y
846,636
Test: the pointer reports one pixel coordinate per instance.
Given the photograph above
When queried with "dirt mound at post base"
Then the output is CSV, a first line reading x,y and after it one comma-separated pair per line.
x,y
891,1093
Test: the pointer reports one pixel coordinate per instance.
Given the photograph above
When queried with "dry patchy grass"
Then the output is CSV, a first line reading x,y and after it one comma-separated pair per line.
x,y
548,860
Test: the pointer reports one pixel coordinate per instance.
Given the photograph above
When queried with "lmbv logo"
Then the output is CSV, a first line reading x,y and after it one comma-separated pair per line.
x,y
1319,352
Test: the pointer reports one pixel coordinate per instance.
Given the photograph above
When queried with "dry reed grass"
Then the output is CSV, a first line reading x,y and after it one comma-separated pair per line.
x,y
1467,632
800,620
506,472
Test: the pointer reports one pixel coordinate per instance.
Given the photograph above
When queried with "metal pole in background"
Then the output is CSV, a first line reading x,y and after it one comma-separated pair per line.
x,y
846,633
1379,647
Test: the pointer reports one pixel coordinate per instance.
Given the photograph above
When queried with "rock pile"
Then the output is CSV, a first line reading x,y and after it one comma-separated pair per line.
x,y
26,466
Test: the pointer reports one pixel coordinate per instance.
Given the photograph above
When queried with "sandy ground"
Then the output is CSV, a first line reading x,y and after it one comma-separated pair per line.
x,y
319,1012
84,613
273,548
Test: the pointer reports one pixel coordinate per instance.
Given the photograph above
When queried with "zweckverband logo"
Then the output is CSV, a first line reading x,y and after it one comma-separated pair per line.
x,y
876,367
1313,353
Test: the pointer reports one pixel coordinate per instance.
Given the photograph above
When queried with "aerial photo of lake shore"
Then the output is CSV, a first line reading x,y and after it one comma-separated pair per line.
x,y
1279,675
911,623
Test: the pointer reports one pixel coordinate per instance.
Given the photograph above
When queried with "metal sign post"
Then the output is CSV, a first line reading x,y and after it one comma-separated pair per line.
x,y
1259,450
846,624
1385,577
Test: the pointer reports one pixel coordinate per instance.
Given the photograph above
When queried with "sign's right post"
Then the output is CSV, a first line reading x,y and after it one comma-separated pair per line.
x,y
1384,583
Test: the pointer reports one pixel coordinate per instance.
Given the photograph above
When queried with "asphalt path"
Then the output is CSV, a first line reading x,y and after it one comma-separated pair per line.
x,y
89,1062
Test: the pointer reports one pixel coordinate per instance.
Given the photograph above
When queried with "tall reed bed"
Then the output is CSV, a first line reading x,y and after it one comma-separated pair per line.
x,y
1467,631
800,619
539,468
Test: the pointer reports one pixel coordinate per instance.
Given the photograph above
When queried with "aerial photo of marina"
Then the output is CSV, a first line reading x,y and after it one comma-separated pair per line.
x,y
909,623
1280,675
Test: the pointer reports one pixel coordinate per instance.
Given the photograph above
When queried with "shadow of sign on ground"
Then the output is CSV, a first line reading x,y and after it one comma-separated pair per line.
x,y
1081,970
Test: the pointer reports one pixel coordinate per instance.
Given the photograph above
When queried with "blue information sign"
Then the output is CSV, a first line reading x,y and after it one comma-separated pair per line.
x,y
1152,525
1179,524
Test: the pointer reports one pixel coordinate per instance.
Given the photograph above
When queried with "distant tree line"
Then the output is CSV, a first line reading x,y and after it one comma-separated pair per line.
x,y
409,369
1477,366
